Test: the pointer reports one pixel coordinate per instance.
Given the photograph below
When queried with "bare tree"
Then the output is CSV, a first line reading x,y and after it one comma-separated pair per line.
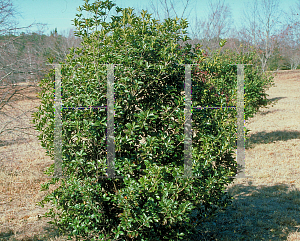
x,y
10,64
262,26
290,39
15,65
7,17
215,26
168,9
59,44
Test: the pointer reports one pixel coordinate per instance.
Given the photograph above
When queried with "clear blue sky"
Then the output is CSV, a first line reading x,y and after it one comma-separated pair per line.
x,y
59,13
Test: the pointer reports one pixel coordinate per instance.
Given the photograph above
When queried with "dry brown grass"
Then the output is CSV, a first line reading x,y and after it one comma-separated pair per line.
x,y
266,207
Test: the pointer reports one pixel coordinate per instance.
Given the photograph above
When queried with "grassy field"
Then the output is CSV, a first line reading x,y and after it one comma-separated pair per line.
x,y
266,207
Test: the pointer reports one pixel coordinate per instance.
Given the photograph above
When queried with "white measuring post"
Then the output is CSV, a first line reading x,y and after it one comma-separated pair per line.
x,y
110,124
188,123
240,122
58,124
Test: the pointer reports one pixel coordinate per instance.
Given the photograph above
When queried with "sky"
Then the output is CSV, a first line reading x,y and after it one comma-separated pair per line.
x,y
60,13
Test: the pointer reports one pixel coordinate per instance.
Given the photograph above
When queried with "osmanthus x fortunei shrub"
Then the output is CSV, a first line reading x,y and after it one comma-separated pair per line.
x,y
149,203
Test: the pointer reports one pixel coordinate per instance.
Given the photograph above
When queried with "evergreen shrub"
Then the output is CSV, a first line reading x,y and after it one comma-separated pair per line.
x,y
149,203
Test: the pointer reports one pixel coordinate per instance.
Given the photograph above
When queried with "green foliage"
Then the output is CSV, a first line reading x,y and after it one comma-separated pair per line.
x,y
221,68
255,81
149,203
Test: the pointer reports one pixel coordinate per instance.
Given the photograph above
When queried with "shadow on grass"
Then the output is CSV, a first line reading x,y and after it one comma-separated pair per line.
x,y
20,140
49,233
276,99
273,102
257,213
269,137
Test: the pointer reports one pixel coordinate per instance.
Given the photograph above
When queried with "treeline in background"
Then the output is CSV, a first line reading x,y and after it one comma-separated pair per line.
x,y
265,28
